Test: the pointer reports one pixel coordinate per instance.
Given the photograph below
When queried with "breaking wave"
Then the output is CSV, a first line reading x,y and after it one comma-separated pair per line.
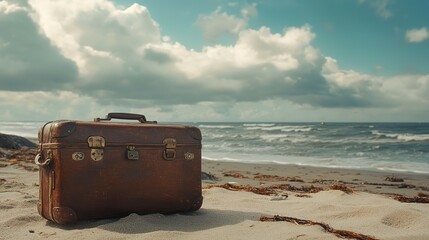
x,y
402,137
216,126
281,128
258,124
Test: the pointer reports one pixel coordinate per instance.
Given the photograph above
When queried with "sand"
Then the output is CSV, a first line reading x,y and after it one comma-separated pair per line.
x,y
370,209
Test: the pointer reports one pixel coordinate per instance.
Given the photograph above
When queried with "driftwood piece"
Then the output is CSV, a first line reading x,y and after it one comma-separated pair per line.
x,y
326,227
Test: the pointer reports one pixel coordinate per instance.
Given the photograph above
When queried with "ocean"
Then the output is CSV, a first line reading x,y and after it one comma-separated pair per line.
x,y
397,147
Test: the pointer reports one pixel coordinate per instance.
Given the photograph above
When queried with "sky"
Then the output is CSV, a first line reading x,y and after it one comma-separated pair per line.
x,y
215,61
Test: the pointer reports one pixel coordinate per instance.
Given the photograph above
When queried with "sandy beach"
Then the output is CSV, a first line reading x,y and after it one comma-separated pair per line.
x,y
309,119
364,205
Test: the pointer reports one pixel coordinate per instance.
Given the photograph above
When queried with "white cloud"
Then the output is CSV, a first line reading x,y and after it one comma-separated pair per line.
x,y
8,7
249,10
377,91
73,26
27,59
345,78
40,106
407,90
89,58
91,35
417,35
218,23
254,48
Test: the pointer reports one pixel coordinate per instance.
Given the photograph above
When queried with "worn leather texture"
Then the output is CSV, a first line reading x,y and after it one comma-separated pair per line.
x,y
76,185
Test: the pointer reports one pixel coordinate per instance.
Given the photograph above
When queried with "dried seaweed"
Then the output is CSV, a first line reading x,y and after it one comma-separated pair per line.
x,y
420,194
341,187
301,189
234,174
295,179
394,179
396,185
402,185
405,185
269,190
307,189
247,188
275,178
302,195
326,227
417,199
337,185
23,157
322,181
25,154
13,156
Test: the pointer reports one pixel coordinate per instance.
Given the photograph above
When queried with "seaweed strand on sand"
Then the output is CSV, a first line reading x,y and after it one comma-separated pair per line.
x,y
420,198
269,190
326,227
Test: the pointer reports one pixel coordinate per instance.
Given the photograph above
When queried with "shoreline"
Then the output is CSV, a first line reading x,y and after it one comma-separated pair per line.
x,y
305,163
372,181
369,169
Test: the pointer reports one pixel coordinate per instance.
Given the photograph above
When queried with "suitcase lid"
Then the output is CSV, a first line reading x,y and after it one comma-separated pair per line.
x,y
114,133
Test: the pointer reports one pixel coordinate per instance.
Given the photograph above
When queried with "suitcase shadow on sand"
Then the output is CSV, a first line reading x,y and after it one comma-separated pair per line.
x,y
190,222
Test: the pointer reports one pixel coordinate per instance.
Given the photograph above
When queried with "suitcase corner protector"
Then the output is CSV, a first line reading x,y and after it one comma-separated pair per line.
x,y
63,215
197,204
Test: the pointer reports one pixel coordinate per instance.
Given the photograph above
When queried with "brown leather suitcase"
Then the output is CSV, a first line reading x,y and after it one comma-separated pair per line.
x,y
92,170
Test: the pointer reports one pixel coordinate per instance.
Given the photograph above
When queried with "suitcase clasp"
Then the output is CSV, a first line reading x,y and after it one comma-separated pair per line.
x,y
96,143
170,149
132,153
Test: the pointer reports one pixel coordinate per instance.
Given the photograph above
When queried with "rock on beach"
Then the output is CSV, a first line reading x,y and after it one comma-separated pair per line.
x,y
14,142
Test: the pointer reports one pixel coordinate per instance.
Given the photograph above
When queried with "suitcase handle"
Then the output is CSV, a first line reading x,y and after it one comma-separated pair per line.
x,y
127,116
44,163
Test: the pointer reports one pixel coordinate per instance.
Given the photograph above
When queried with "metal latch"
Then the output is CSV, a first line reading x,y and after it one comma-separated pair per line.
x,y
96,143
132,153
170,149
